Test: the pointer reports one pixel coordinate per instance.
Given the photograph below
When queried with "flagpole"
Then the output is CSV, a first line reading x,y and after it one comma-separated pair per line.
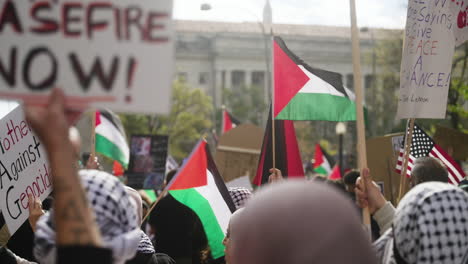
x,y
93,133
272,76
361,133
408,140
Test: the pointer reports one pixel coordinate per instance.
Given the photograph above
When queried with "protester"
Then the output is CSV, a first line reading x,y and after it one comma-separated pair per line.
x,y
145,253
77,236
349,180
430,226
239,195
368,194
298,222
227,239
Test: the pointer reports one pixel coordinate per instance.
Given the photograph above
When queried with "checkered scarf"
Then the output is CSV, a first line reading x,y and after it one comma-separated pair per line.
x,y
239,196
430,226
110,202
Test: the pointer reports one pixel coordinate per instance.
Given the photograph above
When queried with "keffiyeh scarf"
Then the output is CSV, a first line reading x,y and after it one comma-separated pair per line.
x,y
430,226
117,224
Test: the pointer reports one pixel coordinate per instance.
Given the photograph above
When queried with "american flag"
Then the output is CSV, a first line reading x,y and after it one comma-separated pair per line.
x,y
422,146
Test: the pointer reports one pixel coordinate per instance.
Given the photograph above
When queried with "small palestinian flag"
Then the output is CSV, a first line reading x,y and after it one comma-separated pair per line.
x,y
323,161
305,93
335,173
287,155
199,186
110,137
229,121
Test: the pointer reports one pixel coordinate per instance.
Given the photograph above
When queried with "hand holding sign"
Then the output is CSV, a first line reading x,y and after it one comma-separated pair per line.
x,y
35,210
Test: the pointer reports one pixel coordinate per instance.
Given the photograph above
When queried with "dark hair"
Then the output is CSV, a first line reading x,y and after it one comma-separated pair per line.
x,y
464,185
351,177
428,169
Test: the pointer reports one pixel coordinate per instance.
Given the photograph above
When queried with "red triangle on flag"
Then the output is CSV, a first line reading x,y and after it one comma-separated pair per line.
x,y
227,122
318,157
193,172
288,78
335,174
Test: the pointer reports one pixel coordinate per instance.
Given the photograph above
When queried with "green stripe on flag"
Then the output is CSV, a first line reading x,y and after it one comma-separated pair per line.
x,y
315,106
321,170
109,149
215,235
151,194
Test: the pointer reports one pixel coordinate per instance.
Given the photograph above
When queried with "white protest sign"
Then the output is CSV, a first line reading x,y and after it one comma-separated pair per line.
x,y
114,54
433,29
24,169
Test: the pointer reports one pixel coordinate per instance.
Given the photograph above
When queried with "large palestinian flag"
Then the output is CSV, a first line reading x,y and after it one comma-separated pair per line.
x,y
306,93
110,137
199,186
323,163
287,156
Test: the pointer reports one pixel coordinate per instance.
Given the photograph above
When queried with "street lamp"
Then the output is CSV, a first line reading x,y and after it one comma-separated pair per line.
x,y
340,130
265,28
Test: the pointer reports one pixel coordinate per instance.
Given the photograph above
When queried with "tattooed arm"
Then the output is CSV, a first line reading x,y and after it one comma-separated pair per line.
x,y
73,218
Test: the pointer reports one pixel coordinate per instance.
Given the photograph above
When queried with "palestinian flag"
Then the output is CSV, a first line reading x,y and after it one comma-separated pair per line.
x,y
335,173
288,158
199,186
306,93
229,122
110,137
323,161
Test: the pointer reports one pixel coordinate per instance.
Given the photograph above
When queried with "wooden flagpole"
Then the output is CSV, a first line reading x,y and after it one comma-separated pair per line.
x,y
272,76
404,168
361,133
93,133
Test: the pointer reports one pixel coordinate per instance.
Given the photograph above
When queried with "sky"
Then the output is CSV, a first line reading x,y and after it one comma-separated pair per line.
x,y
370,13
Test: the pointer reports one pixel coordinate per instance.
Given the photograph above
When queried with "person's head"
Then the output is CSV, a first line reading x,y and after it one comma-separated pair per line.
x,y
114,213
168,178
298,222
227,239
428,169
350,179
239,195
430,226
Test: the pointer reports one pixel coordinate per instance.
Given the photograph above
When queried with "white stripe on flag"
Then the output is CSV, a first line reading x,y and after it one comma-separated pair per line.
x,y
454,175
211,193
109,131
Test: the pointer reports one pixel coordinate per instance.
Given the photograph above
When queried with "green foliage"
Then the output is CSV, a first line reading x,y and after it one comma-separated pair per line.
x,y
246,103
188,119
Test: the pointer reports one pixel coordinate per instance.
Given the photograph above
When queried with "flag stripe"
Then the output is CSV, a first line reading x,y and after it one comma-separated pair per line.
x,y
199,204
310,106
449,161
107,129
108,148
453,173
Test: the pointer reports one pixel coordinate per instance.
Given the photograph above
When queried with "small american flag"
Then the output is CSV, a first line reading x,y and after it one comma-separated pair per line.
x,y
422,146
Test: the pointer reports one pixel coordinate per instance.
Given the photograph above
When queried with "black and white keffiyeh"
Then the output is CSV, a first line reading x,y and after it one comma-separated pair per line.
x,y
430,226
116,221
239,196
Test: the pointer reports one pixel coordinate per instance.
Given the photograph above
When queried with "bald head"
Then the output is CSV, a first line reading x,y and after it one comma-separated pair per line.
x,y
299,222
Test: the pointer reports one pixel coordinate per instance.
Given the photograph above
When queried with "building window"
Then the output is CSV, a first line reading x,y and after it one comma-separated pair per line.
x,y
237,79
369,81
350,81
203,78
258,78
182,76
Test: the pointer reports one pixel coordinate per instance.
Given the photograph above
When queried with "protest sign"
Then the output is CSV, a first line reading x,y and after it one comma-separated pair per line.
x,y
115,54
24,169
433,29
148,154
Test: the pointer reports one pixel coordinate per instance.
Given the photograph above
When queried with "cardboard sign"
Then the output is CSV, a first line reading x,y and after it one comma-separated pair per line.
x,y
24,169
115,54
433,28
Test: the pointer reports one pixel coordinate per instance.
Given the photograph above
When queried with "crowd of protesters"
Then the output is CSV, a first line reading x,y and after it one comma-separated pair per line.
x,y
94,218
